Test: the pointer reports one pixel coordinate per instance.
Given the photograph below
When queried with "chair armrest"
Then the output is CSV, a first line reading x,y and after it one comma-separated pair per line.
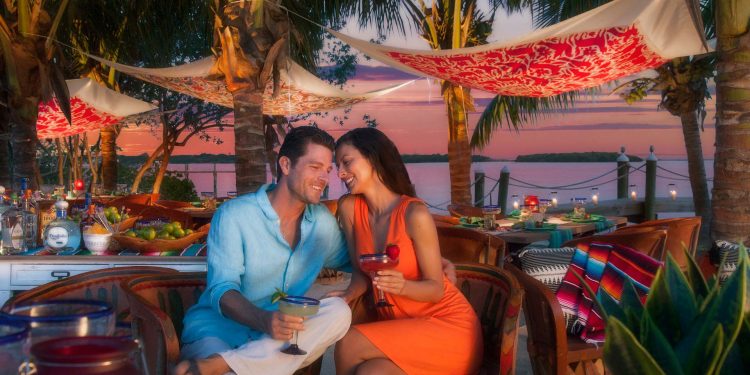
x,y
154,328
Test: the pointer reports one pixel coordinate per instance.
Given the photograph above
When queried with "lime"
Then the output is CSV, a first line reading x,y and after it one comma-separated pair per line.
x,y
130,233
188,232
163,236
177,224
169,228
171,238
150,234
178,232
116,218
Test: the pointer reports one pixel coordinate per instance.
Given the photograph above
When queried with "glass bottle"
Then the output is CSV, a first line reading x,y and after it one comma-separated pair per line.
x,y
62,234
30,220
3,206
12,228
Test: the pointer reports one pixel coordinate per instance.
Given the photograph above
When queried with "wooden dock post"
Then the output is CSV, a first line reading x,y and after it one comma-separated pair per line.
x,y
502,189
216,177
649,211
623,170
478,188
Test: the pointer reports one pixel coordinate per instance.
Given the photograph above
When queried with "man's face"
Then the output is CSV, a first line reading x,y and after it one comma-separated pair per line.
x,y
307,178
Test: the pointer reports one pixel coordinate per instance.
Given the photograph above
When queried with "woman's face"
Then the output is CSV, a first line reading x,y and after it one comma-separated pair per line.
x,y
354,169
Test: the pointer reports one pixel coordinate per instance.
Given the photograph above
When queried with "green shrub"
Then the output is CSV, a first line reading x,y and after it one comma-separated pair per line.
x,y
687,326
177,188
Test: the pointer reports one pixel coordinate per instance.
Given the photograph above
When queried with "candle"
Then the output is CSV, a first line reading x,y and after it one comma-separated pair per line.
x,y
515,201
553,195
673,191
595,195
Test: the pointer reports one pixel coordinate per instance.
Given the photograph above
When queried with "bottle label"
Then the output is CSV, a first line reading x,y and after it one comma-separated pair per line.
x,y
16,236
57,237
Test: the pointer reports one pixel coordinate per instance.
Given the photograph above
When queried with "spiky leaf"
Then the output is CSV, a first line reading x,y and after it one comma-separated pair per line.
x,y
660,306
624,354
681,296
658,346
697,281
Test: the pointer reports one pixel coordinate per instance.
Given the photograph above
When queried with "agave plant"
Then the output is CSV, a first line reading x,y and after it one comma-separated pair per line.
x,y
687,325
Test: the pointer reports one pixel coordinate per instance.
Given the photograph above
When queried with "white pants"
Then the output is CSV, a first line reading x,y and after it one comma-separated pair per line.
x,y
263,356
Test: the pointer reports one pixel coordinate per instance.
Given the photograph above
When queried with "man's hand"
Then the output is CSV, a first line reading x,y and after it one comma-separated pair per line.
x,y
449,270
281,326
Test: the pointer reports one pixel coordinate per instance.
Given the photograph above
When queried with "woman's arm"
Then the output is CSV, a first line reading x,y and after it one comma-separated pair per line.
x,y
345,215
421,230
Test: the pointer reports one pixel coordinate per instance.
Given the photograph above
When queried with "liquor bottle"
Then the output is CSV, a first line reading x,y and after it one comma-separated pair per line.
x,y
88,219
12,228
62,234
3,207
30,221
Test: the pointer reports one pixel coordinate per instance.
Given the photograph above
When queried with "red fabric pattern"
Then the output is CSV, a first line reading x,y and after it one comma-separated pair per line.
x,y
51,122
544,68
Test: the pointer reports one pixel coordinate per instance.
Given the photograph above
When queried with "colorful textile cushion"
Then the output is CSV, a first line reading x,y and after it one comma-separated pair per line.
x,y
605,267
547,265
730,253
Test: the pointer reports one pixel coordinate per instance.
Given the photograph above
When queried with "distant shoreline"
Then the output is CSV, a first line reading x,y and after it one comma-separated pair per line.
x,y
566,157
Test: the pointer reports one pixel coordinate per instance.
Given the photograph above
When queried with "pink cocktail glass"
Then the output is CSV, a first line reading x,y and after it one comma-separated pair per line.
x,y
372,263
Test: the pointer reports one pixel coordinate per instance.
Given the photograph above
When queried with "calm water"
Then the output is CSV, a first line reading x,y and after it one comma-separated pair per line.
x,y
433,183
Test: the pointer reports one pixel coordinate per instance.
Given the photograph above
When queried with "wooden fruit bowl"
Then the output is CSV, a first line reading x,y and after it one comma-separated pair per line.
x,y
159,245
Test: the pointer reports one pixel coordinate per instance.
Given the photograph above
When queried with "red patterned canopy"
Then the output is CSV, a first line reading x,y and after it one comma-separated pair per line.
x,y
615,40
300,91
92,107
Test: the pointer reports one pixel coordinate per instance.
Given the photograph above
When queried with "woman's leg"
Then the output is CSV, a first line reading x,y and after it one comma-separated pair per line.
x,y
355,354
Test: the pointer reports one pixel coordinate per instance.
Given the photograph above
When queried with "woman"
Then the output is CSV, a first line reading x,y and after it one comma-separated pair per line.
x,y
431,328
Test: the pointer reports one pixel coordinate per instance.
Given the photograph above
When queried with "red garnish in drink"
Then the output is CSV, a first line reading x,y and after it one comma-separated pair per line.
x,y
392,251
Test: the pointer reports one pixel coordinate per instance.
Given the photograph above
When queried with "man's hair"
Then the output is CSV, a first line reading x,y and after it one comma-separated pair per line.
x,y
296,141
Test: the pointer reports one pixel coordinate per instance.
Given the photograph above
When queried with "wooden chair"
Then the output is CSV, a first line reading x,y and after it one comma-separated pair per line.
x,y
101,285
461,245
649,240
681,233
496,297
551,349
158,306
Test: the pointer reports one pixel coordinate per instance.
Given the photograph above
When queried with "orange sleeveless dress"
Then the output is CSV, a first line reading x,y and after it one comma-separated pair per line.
x,y
420,337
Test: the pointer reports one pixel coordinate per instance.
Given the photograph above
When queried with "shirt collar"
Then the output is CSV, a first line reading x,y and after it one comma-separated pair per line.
x,y
267,208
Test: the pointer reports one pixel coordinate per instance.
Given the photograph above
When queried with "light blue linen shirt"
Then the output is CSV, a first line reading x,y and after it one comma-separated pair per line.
x,y
247,253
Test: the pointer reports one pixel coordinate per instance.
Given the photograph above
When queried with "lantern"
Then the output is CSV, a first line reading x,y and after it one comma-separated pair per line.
x,y
633,192
595,195
672,191
532,203
516,204
553,197
78,184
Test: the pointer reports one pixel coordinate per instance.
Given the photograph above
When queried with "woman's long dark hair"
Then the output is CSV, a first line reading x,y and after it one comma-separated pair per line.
x,y
383,156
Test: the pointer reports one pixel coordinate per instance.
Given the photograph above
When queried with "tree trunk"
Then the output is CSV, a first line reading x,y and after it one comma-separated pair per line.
x,y
5,147
459,150
692,134
146,165
731,193
249,140
162,170
23,133
60,161
108,146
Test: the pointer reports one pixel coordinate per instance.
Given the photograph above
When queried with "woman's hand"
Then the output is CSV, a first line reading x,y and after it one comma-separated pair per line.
x,y
390,281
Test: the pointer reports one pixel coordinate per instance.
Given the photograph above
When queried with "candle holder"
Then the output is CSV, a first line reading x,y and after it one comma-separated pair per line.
x,y
516,204
595,196
553,198
633,192
672,191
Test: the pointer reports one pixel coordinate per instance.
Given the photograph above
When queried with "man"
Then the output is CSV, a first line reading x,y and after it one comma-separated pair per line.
x,y
275,238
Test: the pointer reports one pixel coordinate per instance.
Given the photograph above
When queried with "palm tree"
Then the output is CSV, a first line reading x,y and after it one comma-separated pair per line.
x,y
731,206
27,30
682,83
452,24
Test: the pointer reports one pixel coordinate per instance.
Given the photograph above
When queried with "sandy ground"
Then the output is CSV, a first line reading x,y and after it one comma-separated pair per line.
x,y
523,366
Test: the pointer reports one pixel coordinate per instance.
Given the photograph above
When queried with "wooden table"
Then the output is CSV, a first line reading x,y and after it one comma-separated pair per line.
x,y
197,212
527,237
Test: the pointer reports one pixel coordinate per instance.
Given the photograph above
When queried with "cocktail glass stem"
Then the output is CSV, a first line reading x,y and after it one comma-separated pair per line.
x,y
294,349
381,296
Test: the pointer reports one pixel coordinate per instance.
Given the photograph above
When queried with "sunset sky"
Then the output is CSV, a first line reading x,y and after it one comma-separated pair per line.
x,y
414,117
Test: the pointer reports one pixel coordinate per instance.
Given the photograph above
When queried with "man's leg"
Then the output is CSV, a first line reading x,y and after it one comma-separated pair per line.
x,y
322,330
202,358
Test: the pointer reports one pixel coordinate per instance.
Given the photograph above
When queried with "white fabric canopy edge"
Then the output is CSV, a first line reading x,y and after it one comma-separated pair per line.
x,y
106,100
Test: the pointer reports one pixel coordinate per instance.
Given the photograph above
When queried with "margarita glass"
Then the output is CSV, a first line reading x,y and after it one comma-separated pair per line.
x,y
297,306
372,263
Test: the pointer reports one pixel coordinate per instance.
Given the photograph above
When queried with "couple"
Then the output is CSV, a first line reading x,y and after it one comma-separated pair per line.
x,y
280,238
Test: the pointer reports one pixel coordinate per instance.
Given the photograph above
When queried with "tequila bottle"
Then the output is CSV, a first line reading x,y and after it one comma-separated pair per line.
x,y
62,234
12,228
30,221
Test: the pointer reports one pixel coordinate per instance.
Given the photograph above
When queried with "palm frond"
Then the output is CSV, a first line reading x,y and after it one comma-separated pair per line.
x,y
549,12
516,111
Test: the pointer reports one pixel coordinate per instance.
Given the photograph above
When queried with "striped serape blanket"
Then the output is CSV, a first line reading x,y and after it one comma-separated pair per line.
x,y
605,267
